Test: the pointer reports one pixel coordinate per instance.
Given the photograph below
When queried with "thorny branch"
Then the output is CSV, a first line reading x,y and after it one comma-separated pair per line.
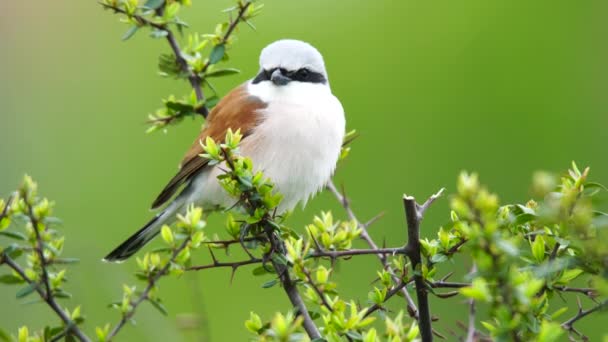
x,y
145,294
413,214
44,290
195,79
569,324
411,306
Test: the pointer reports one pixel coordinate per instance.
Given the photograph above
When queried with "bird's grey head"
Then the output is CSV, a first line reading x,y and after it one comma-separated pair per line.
x,y
289,60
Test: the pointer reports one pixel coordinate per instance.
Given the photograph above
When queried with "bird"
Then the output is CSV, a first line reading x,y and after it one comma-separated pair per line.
x,y
292,127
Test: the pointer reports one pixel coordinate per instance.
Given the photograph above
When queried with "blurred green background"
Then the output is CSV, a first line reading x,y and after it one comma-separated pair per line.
x,y
434,87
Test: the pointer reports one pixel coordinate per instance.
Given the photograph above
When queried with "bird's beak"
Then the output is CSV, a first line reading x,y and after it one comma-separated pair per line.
x,y
278,78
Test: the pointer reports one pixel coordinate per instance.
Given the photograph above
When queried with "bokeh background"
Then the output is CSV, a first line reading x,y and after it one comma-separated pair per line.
x,y
502,88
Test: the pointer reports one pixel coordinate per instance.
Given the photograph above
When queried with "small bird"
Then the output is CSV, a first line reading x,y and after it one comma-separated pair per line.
x,y
292,128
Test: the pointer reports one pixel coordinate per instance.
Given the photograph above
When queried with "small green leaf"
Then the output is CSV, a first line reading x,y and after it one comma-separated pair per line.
x,y
538,248
159,306
10,279
130,32
158,34
153,4
270,283
439,257
223,72
258,271
14,235
217,54
4,336
27,290
66,261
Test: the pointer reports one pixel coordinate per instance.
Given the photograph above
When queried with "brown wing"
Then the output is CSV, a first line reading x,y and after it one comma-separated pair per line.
x,y
237,110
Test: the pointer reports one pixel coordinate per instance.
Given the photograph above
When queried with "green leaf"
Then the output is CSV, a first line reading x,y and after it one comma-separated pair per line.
x,y
590,185
524,218
212,101
538,248
154,4
223,72
10,279
27,290
158,34
270,283
159,306
439,257
569,275
179,106
14,235
258,271
217,53
130,32
4,336
66,261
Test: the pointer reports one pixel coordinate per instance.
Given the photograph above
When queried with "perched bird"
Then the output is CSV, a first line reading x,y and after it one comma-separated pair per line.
x,y
292,128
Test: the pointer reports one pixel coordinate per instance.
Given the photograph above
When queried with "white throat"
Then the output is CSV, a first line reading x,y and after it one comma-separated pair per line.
x,y
298,141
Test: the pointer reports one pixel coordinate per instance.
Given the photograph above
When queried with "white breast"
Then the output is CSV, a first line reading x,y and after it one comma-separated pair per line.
x,y
296,145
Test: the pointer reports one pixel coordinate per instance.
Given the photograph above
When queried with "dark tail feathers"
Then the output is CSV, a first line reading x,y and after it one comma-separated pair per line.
x,y
135,242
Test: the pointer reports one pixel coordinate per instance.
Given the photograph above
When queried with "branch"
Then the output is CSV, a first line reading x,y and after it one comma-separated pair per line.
x,y
251,204
290,287
71,326
411,306
317,290
569,324
47,293
414,214
351,252
194,79
234,265
144,295
388,296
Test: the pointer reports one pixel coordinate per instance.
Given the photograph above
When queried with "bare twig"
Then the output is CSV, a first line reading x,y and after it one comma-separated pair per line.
x,y
145,294
413,214
412,309
569,324
350,252
216,264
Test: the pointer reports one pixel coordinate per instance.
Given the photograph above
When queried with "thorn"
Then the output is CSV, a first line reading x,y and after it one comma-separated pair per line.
x,y
212,255
234,268
374,219
445,278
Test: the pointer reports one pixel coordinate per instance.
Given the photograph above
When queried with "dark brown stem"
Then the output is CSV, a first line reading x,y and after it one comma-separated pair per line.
x,y
291,289
317,290
234,265
569,324
413,216
351,252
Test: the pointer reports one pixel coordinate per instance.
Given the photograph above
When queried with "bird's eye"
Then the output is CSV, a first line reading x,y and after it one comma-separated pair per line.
x,y
268,73
303,74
